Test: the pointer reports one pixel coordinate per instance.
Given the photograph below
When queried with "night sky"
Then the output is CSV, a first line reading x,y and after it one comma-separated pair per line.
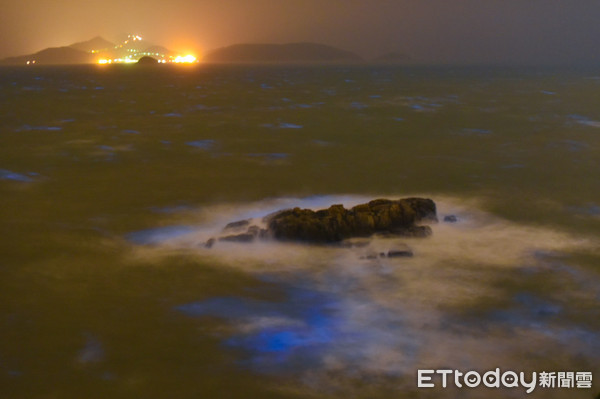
x,y
430,31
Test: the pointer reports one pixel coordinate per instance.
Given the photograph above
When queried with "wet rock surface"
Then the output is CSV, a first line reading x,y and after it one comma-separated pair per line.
x,y
450,219
335,224
237,225
400,253
394,217
244,237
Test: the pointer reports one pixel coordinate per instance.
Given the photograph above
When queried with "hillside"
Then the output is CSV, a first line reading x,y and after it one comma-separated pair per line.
x,y
159,50
52,56
280,53
90,51
96,44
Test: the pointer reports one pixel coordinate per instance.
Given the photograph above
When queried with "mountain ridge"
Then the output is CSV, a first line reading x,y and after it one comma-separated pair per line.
x,y
96,44
98,48
89,52
64,55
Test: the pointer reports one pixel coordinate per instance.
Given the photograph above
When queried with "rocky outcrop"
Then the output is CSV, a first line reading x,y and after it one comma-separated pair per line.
x,y
146,60
400,253
336,223
450,219
399,217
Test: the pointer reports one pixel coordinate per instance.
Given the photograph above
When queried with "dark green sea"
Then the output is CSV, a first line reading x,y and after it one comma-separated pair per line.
x,y
112,179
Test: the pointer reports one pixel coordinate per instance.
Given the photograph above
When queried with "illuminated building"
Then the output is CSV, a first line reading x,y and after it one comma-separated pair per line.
x,y
134,47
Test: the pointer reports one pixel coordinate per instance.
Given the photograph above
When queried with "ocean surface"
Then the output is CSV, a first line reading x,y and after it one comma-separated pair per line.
x,y
112,179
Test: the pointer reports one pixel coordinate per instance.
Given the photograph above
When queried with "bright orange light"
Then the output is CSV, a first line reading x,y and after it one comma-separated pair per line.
x,y
185,59
103,61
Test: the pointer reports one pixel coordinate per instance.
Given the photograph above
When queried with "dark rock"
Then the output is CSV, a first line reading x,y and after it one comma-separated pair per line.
x,y
254,230
244,237
382,254
398,217
258,232
209,243
450,219
414,231
399,253
147,60
237,225
251,234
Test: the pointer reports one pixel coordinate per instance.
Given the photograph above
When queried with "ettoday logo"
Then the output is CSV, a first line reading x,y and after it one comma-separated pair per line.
x,y
473,379
507,379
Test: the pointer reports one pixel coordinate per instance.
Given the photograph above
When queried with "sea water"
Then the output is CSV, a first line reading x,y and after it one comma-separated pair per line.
x,y
113,179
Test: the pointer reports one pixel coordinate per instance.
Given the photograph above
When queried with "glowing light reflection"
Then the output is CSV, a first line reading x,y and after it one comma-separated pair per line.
x,y
185,59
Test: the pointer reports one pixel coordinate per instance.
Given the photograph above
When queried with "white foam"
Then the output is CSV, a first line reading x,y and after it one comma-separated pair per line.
x,y
385,315
477,239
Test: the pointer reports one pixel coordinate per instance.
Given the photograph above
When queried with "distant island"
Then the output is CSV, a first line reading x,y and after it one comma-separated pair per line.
x,y
99,50
280,53
51,56
133,48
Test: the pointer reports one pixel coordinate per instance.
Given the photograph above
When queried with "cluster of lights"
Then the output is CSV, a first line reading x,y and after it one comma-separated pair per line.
x,y
132,58
129,37
185,59
117,61
188,59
